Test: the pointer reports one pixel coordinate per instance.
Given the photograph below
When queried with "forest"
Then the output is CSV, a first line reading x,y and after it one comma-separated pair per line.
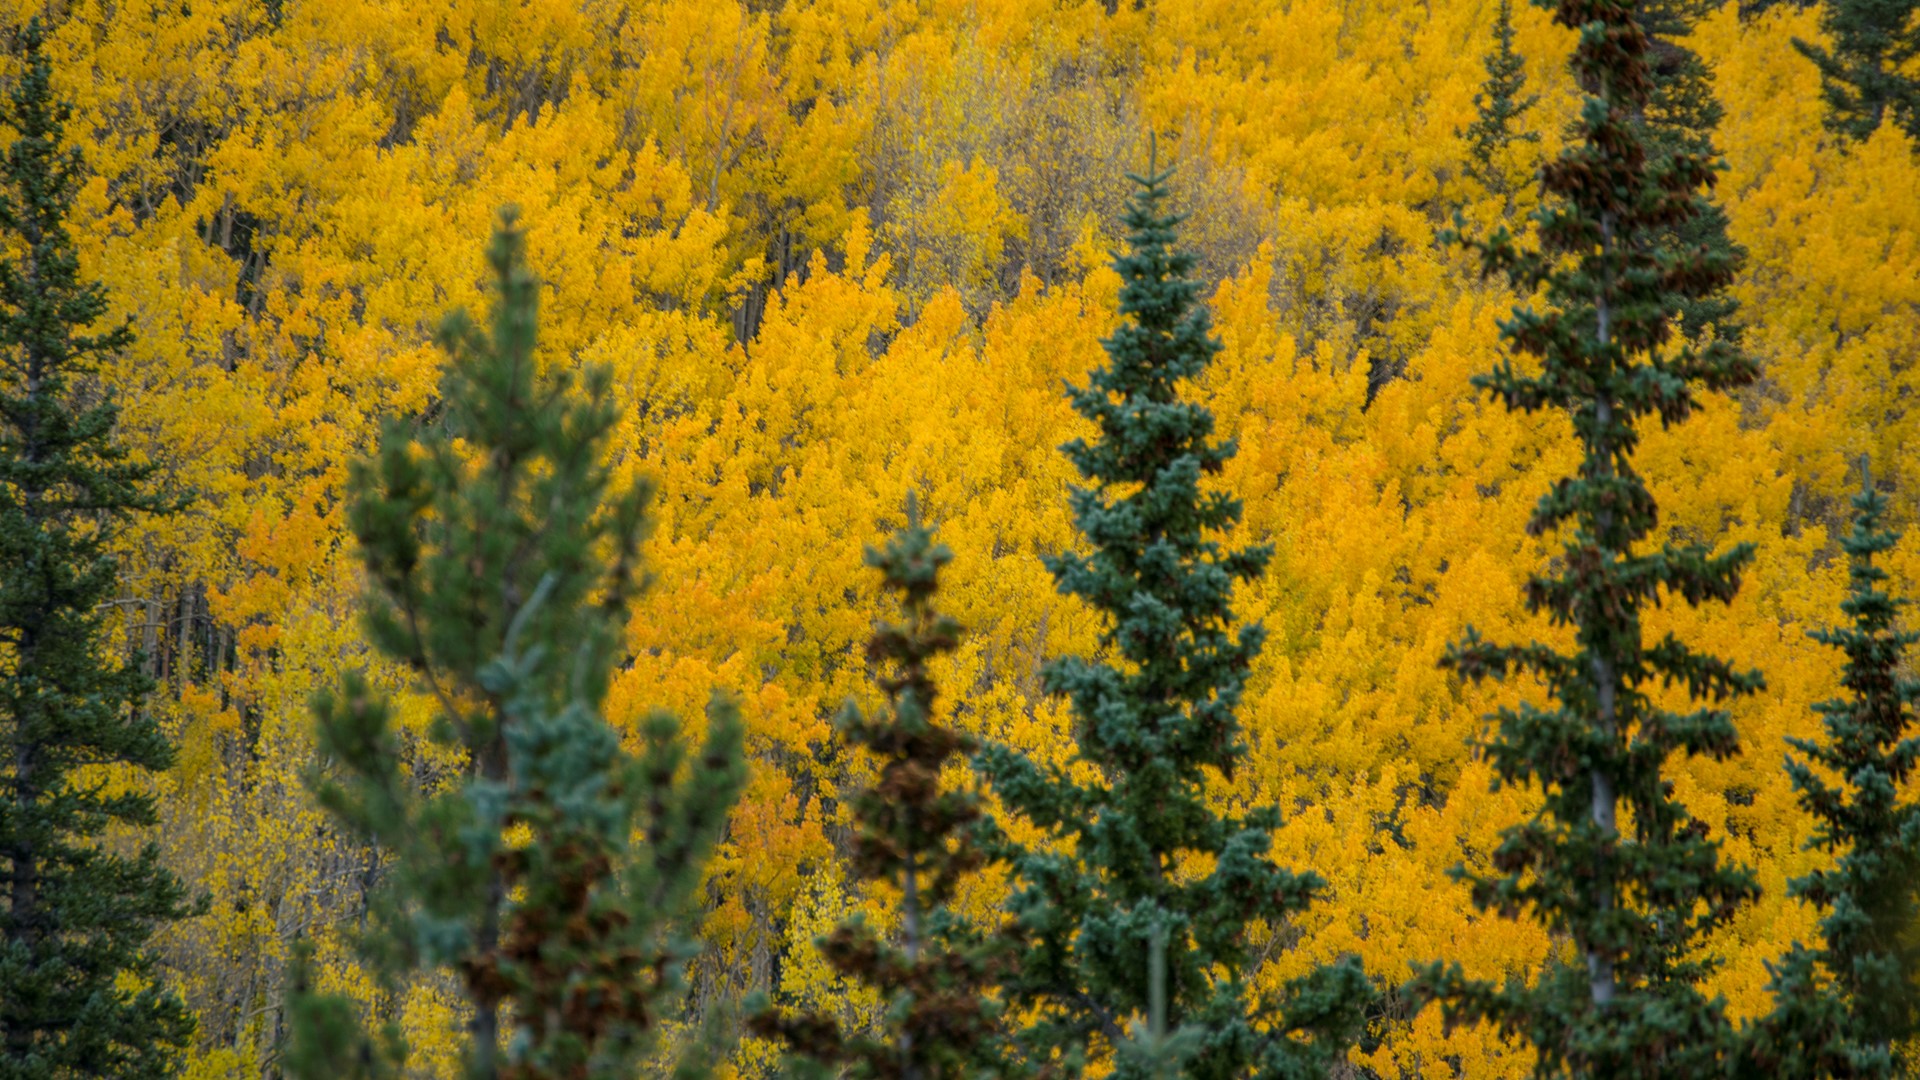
x,y
936,539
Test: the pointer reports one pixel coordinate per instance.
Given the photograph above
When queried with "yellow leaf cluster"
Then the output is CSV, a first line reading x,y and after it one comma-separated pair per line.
x,y
838,250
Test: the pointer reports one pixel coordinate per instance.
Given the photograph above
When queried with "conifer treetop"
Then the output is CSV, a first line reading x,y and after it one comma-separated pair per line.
x,y
1636,904
1164,584
1865,73
1841,1007
502,559
1501,102
915,834
1155,718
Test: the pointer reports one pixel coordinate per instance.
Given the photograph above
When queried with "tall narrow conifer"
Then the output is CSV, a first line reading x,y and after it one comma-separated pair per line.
x,y
77,990
1841,1007
1611,860
1139,849
547,878
913,833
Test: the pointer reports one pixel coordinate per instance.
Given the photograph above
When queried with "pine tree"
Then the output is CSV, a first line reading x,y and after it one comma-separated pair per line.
x,y
1501,102
1865,75
1140,852
1841,1007
914,834
78,995
1635,905
502,565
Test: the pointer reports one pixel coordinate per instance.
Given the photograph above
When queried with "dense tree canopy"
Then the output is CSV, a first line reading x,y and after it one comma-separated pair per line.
x,y
834,250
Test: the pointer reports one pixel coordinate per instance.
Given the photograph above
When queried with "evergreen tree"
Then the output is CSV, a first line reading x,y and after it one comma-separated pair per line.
x,y
1841,1007
914,834
77,990
1635,905
1682,114
1139,852
502,566
1501,102
1866,74
326,1036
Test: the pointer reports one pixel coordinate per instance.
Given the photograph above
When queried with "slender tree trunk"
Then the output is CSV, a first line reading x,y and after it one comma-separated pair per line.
x,y
910,944
485,1025
1605,798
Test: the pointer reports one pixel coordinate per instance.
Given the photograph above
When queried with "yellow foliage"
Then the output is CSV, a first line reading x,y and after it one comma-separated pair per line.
x,y
836,250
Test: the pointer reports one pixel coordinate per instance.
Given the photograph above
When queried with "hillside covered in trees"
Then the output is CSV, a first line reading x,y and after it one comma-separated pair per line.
x,y
1027,538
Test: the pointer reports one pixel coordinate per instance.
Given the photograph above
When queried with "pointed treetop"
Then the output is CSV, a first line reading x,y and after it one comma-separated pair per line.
x,y
1155,726
915,834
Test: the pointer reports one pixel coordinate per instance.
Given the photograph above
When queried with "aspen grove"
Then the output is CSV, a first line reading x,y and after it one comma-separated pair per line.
x,y
959,539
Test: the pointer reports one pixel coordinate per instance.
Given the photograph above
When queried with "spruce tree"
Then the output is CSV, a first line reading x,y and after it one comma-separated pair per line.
x,y
1501,102
1866,74
913,833
1635,904
1682,114
1138,849
1842,1006
78,995
501,562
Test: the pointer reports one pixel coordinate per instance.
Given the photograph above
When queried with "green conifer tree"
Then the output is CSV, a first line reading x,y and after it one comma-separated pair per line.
x,y
1501,102
502,565
1840,1008
1140,851
939,1022
1682,114
1635,905
1865,75
77,990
